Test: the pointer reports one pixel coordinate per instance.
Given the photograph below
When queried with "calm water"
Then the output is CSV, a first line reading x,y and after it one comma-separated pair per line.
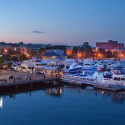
x,y
64,106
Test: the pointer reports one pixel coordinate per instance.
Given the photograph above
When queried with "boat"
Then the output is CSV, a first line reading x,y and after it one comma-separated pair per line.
x,y
107,74
114,64
89,64
81,74
102,66
74,68
26,66
118,77
68,63
71,66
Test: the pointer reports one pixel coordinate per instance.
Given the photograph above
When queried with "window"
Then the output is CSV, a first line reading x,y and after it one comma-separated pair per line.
x,y
117,78
67,67
122,78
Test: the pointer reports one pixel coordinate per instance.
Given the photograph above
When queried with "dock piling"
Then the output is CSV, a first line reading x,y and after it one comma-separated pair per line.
x,y
14,79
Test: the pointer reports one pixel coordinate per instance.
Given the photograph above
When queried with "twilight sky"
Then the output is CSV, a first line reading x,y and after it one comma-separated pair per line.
x,y
69,22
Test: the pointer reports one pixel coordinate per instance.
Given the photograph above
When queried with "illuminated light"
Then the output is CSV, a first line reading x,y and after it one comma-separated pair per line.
x,y
1,102
102,92
28,55
79,54
14,49
5,50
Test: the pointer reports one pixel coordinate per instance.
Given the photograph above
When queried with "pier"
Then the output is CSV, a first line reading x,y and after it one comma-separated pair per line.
x,y
70,80
21,80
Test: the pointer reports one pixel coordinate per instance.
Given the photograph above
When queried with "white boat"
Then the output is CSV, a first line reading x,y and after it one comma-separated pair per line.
x,y
68,63
26,66
89,64
73,68
114,64
118,77
101,66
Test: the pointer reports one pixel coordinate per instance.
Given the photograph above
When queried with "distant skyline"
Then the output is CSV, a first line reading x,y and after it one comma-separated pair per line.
x,y
68,22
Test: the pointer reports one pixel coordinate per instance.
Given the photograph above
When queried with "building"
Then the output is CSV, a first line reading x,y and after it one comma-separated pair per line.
x,y
110,45
56,55
14,47
69,50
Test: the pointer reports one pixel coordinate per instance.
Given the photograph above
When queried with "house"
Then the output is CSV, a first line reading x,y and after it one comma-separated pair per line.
x,y
56,55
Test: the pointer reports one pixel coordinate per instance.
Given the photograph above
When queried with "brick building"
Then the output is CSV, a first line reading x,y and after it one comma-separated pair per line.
x,y
110,45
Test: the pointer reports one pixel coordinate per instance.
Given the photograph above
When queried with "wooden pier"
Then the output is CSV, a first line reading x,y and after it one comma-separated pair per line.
x,y
27,84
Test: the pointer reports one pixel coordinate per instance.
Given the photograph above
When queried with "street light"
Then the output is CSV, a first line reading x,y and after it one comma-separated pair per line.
x,y
5,53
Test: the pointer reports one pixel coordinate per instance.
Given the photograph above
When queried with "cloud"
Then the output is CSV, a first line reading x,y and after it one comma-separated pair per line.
x,y
35,31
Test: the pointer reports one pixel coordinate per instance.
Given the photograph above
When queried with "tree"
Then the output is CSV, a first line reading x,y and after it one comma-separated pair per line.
x,y
14,58
1,60
87,53
23,57
33,53
75,51
85,45
9,64
109,54
57,47
7,57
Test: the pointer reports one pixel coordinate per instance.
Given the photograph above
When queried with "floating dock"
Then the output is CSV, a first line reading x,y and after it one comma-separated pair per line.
x,y
94,84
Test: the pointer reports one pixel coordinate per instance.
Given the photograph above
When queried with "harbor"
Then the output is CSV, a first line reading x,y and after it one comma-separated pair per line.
x,y
24,80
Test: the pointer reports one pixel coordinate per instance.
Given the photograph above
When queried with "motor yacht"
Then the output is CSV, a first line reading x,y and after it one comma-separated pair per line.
x,y
74,68
101,66
89,64
114,64
68,63
118,76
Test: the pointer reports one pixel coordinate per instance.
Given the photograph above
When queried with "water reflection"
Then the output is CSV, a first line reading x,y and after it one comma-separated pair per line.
x,y
1,103
54,91
116,97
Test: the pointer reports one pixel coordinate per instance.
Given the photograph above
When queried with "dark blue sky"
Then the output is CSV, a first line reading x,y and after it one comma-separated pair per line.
x,y
62,21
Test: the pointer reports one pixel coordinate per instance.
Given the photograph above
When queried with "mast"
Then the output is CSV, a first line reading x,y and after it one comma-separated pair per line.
x,y
78,53
118,52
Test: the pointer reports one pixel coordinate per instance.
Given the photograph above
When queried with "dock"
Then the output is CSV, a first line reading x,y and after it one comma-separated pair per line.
x,y
24,80
96,85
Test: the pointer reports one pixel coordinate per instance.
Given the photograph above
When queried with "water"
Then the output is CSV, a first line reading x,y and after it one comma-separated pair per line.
x,y
64,106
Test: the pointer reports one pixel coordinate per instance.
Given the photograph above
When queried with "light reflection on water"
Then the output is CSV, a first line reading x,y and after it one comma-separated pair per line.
x,y
64,105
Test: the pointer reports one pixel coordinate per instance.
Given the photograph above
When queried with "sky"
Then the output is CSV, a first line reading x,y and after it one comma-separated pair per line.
x,y
68,22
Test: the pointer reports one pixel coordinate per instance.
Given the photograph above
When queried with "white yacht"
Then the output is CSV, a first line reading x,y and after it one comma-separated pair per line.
x,y
114,64
118,77
68,62
89,64
101,66
73,68
26,66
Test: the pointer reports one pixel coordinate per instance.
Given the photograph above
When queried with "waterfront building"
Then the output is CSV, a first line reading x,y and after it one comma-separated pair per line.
x,y
56,55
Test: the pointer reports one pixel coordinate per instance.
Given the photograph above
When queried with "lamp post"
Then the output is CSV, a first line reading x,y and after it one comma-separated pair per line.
x,y
5,53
